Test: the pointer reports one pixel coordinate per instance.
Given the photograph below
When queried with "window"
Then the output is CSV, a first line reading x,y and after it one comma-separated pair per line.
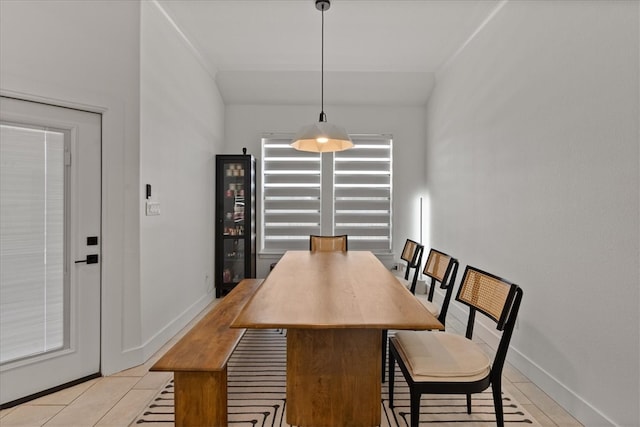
x,y
347,192
32,240
362,194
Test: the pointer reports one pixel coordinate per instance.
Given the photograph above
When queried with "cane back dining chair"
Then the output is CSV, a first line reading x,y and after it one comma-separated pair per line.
x,y
325,244
446,363
440,268
328,243
412,255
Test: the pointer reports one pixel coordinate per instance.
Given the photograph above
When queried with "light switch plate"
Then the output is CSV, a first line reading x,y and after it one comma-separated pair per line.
x,y
152,208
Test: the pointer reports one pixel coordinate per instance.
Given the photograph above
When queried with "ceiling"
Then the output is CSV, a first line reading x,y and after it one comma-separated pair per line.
x,y
376,52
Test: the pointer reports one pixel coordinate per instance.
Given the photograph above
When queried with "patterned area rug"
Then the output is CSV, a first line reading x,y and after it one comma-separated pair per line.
x,y
256,394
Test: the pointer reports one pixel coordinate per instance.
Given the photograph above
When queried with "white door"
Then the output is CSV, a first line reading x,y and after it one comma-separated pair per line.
x,y
50,241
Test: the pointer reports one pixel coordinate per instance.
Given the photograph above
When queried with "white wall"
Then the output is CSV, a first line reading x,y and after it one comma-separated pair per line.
x,y
533,174
245,125
86,55
181,129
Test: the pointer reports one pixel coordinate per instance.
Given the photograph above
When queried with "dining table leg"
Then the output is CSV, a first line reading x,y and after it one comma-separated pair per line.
x,y
334,377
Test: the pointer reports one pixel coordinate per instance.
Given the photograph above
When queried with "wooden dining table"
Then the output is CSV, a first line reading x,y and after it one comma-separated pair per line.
x,y
334,306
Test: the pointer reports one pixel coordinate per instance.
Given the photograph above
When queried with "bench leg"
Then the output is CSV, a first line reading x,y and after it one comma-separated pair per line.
x,y
200,398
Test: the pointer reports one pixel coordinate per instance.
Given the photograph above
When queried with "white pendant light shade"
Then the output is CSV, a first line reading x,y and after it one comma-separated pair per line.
x,y
322,137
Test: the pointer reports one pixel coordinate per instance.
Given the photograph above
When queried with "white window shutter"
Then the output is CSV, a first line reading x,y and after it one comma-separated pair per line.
x,y
363,193
293,192
290,195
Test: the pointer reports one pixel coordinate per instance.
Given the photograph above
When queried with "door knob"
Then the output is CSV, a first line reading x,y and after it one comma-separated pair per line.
x,y
91,259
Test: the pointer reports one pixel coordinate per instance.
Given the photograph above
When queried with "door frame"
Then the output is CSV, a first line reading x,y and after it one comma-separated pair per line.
x,y
69,256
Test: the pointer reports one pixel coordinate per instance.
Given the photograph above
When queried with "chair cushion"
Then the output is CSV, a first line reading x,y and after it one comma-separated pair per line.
x,y
432,307
442,356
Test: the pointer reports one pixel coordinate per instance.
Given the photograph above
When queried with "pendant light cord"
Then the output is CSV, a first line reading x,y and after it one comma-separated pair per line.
x,y
323,117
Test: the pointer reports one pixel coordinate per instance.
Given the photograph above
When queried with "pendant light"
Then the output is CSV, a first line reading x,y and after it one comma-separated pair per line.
x,y
322,137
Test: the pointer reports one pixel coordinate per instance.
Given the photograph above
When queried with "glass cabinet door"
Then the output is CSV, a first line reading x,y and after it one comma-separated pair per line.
x,y
234,192
233,267
234,210
234,223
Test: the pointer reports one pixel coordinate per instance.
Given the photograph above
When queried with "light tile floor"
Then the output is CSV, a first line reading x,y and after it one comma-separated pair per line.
x,y
116,400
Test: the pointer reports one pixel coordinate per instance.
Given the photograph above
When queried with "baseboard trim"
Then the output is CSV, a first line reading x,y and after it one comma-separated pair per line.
x,y
575,405
160,338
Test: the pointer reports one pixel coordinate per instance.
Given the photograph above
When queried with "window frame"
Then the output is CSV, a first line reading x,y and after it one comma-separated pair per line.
x,y
326,200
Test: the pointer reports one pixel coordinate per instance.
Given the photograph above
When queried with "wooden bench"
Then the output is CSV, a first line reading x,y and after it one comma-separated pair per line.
x,y
199,361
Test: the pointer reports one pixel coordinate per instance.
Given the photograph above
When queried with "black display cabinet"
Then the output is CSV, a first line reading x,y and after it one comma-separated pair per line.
x,y
235,220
